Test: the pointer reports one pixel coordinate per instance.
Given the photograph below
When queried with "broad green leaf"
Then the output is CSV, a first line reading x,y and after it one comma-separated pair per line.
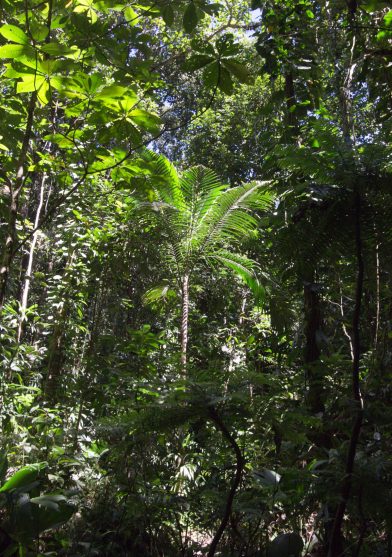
x,y
268,477
38,31
130,15
14,34
30,82
388,18
23,477
310,14
111,92
198,61
240,71
12,50
146,120
286,545
48,501
225,82
33,62
211,74
56,49
157,293
191,18
168,14
61,140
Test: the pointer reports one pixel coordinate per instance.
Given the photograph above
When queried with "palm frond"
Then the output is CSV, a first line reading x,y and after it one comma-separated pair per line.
x,y
166,181
230,215
244,268
158,293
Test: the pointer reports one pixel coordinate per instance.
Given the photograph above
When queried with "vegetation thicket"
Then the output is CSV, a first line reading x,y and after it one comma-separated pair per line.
x,y
195,278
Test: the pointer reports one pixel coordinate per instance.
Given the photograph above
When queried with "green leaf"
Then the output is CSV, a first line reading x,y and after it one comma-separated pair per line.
x,y
225,82
211,74
111,92
146,120
191,18
23,477
240,71
39,32
30,518
56,49
168,14
243,267
14,34
268,477
158,293
310,14
13,50
286,545
130,15
388,18
30,82
198,61
49,501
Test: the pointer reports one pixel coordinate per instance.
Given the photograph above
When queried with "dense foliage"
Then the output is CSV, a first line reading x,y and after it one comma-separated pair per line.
x,y
195,265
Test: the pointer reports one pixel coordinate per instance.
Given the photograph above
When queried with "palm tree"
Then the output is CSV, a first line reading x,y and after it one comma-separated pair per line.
x,y
203,220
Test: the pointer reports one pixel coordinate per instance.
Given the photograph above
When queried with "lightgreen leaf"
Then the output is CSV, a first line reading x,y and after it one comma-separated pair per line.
x,y
14,34
30,82
48,501
130,15
23,477
388,18
157,293
12,50
146,120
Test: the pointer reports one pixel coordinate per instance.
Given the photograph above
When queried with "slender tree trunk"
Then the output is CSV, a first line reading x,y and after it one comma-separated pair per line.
x,y
184,320
27,282
236,481
56,355
336,548
313,326
15,191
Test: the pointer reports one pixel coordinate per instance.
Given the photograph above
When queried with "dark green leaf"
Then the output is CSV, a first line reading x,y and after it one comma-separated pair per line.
x,y
168,14
191,18
198,61
240,71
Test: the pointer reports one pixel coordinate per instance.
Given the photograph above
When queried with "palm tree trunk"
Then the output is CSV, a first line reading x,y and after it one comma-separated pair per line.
x,y
184,320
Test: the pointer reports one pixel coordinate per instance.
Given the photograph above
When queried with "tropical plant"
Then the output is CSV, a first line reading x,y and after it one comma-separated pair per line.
x,y
204,220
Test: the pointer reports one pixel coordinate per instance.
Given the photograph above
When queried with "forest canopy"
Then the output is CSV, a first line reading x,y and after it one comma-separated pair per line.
x,y
195,278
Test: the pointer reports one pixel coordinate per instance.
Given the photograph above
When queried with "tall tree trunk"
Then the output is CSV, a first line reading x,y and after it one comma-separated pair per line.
x,y
27,282
184,320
